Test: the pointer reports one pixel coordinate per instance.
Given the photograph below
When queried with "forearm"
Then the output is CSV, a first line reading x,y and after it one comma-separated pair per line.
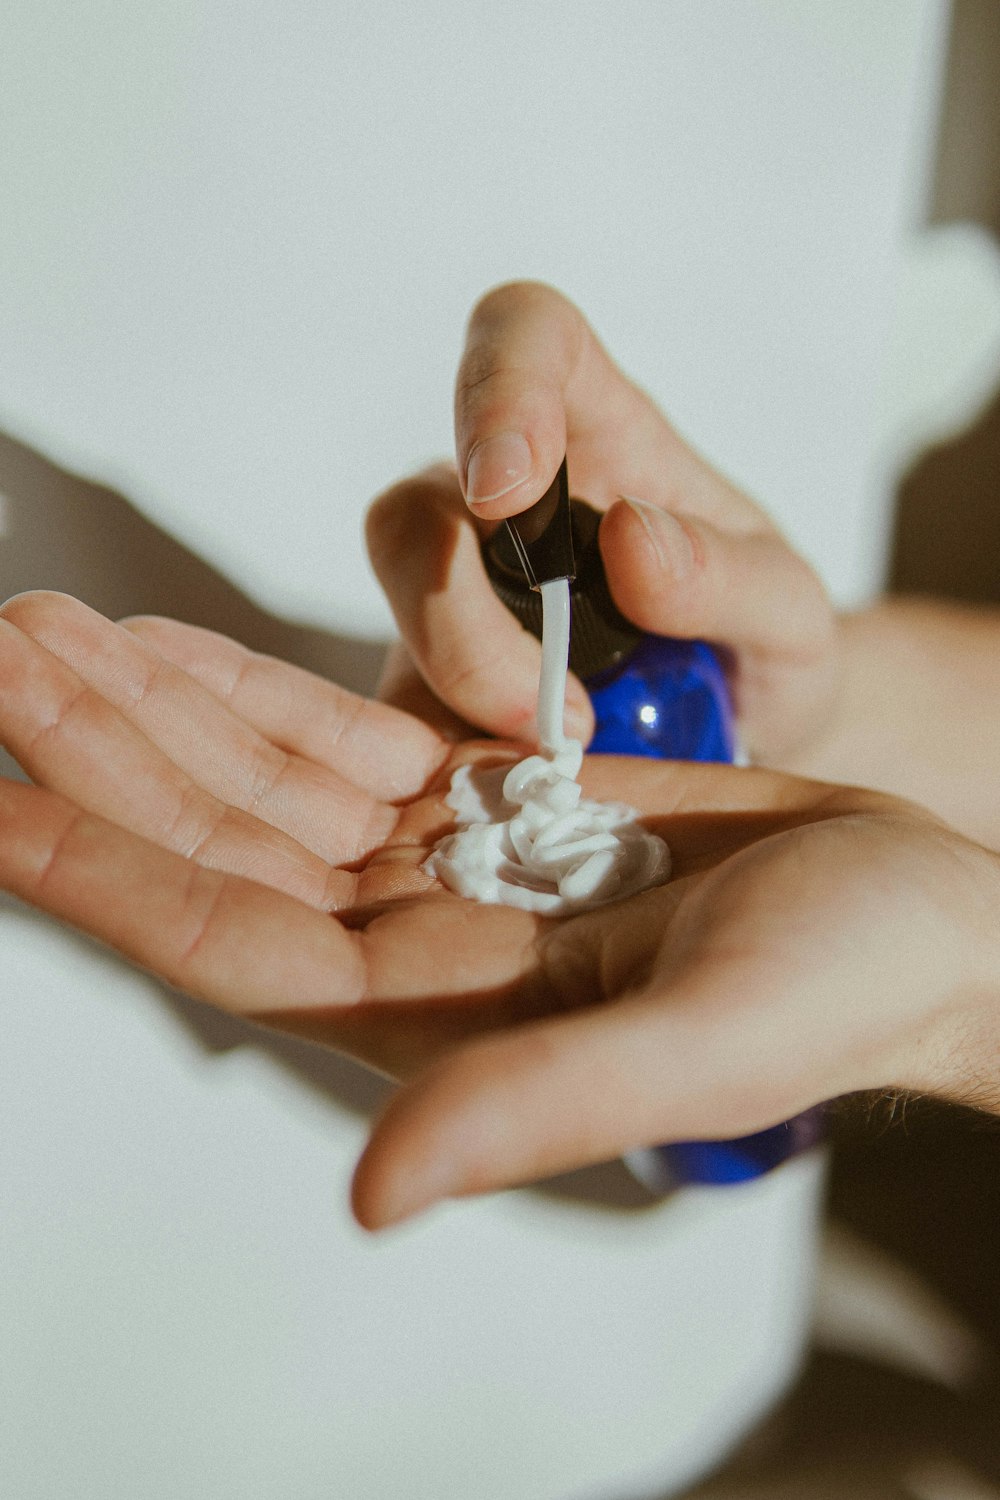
x,y
918,712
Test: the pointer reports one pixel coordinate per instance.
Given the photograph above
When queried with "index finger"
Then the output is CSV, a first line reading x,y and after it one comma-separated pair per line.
x,y
470,649
305,715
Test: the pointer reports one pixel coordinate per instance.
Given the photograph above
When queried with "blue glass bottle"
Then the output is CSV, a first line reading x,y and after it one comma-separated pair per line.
x,y
663,698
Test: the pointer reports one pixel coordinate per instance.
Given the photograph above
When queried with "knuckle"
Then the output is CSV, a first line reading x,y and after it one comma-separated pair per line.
x,y
478,378
141,624
202,904
55,726
57,855
196,821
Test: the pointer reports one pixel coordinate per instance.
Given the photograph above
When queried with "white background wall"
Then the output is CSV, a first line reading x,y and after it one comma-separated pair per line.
x,y
237,247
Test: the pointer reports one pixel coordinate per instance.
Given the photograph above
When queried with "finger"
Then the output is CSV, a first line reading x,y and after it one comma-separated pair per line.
x,y
217,750
683,576
521,348
402,686
221,938
678,575
534,384
468,647
674,789
68,737
555,1095
302,713
534,377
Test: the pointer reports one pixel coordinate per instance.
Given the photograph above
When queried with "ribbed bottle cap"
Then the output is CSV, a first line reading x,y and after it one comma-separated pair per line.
x,y
600,634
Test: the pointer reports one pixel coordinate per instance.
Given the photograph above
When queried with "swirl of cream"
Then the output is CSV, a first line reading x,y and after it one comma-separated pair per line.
x,y
527,837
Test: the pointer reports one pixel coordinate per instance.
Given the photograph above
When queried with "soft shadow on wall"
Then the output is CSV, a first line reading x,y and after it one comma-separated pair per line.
x,y
947,538
63,532
947,534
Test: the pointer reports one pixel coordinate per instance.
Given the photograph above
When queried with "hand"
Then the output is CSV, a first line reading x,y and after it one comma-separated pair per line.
x,y
255,836
695,559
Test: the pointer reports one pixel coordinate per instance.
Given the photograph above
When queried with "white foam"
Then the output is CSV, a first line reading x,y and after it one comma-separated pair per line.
x,y
527,836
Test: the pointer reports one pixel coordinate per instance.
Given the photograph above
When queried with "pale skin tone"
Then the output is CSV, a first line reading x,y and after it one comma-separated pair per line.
x,y
255,836
903,696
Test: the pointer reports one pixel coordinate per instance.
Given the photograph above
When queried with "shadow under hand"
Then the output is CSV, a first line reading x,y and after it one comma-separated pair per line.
x,y
66,533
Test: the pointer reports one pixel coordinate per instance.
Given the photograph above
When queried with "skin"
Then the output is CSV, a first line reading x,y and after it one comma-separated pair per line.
x,y
695,558
902,697
255,835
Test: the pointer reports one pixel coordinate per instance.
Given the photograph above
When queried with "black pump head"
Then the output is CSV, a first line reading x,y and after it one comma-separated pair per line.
x,y
543,536
601,635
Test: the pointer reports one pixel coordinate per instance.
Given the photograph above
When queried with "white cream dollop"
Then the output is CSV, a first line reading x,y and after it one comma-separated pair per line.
x,y
528,837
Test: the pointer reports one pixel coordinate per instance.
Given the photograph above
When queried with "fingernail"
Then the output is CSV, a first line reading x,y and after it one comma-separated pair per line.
x,y
669,538
496,466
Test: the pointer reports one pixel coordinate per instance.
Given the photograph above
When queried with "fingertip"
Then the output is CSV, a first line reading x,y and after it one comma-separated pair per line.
x,y
500,483
669,542
371,1198
380,1201
439,1137
404,1168
373,1204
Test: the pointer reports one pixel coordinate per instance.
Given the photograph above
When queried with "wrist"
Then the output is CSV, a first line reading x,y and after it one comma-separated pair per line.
x,y
916,710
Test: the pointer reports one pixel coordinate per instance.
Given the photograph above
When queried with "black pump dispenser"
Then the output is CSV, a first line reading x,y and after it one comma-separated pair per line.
x,y
600,635
542,537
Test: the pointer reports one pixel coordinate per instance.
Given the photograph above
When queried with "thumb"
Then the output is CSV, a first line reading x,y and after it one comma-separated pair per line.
x,y
554,1095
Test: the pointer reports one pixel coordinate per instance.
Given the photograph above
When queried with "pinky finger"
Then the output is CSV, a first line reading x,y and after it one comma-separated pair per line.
x,y
227,940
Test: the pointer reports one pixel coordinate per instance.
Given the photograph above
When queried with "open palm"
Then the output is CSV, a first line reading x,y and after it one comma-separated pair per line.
x,y
256,836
